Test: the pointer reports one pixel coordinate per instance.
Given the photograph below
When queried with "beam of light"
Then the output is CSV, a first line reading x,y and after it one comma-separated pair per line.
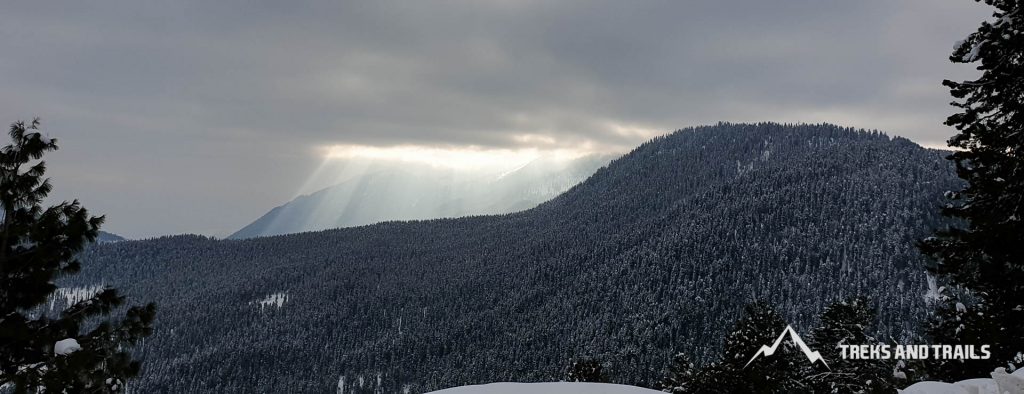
x,y
639,133
331,172
364,184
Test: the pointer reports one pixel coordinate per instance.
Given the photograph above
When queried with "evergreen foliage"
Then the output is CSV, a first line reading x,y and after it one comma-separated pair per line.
x,y
788,370
779,373
980,260
75,351
586,370
679,377
847,323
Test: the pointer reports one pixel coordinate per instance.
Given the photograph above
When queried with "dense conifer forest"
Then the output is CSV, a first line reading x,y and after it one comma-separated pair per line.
x,y
655,254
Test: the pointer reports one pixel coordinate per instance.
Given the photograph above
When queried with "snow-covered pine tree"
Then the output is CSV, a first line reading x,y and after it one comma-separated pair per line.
x,y
585,370
679,376
46,353
846,322
982,260
717,377
779,373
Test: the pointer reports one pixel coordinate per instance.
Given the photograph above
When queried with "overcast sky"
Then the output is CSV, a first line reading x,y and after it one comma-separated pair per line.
x,y
199,116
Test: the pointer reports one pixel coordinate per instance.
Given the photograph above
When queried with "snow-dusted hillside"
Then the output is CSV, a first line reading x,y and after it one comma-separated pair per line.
x,y
1000,383
547,388
434,304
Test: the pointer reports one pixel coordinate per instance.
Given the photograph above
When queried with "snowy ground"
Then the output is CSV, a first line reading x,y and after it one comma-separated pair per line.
x,y
547,388
1000,383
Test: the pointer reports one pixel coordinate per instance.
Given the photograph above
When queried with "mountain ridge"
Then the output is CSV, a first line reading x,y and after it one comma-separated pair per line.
x,y
653,254
109,237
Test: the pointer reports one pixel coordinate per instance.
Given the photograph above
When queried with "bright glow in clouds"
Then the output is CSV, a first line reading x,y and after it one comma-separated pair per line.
x,y
635,132
468,158
346,162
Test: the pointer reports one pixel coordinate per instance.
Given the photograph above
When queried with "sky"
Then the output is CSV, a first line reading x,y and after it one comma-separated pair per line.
x,y
198,117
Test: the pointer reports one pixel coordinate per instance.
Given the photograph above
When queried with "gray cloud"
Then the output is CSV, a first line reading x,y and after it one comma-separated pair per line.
x,y
199,116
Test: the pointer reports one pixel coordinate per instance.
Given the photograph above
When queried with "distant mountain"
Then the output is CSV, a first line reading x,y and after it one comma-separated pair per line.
x,y
654,254
109,237
425,193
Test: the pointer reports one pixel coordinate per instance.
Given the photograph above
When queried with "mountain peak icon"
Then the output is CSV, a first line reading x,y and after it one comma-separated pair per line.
x,y
812,355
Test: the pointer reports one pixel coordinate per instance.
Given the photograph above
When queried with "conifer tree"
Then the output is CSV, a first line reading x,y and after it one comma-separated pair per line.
x,y
846,323
77,350
718,378
779,373
586,370
981,260
679,377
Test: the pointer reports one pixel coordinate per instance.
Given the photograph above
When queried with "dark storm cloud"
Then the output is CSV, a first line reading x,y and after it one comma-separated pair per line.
x,y
213,111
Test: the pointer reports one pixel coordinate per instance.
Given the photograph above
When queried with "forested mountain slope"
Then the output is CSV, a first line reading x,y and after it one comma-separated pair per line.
x,y
655,253
424,193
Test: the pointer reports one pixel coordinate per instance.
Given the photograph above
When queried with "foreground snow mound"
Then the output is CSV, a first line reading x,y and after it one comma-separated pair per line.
x,y
548,388
1000,383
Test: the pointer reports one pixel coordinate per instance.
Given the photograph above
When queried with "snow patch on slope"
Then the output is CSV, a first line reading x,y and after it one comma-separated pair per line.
x,y
547,388
276,300
73,295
